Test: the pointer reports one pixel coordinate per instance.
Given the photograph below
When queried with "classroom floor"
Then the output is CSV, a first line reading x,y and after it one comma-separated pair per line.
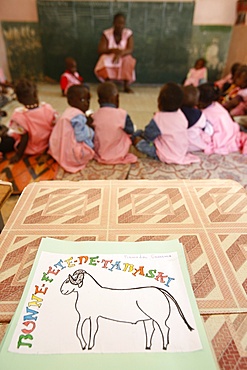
x,y
140,106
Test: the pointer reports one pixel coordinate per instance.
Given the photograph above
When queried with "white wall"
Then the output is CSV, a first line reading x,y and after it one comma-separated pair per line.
x,y
18,10
215,12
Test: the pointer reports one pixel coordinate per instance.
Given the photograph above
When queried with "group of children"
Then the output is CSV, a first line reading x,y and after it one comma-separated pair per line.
x,y
189,118
75,137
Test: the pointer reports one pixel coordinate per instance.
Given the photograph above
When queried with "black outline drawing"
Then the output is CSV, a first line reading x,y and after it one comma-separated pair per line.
x,y
155,310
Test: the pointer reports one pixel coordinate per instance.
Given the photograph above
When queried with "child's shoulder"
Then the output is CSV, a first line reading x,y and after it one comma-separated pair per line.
x,y
242,92
177,112
43,104
19,110
71,112
174,118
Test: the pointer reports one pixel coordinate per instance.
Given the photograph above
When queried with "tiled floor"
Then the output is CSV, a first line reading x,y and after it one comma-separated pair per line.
x,y
141,105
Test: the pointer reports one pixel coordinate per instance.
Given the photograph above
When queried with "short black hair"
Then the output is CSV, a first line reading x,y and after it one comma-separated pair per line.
x,y
118,15
25,88
203,60
208,93
106,90
191,96
241,69
170,97
235,67
74,90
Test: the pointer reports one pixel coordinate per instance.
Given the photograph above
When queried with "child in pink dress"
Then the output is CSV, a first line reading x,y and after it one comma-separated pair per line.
x,y
166,136
225,82
197,75
227,137
113,127
236,101
70,76
31,124
71,142
199,129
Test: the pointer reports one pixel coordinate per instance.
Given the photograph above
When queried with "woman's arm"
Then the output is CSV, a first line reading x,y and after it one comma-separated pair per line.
x,y
104,49
103,46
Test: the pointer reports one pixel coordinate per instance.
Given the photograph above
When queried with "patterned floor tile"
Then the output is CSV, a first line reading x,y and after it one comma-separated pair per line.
x,y
215,247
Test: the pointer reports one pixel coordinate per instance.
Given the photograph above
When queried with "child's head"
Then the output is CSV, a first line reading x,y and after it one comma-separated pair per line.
x,y
78,96
208,94
108,93
241,77
234,69
191,96
200,63
71,64
26,92
170,97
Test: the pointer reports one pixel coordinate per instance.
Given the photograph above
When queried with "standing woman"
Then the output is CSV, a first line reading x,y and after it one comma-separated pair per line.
x,y
115,48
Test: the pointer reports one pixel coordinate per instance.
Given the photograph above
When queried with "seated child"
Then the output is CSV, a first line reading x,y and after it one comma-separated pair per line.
x,y
199,129
226,137
225,82
70,76
71,142
198,74
31,124
166,135
236,101
113,127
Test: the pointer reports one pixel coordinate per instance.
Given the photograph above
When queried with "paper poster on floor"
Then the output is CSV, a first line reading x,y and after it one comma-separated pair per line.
x,y
106,303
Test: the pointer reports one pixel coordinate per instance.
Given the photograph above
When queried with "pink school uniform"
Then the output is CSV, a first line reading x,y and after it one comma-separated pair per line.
x,y
199,135
226,137
196,77
227,79
124,69
111,142
68,79
172,145
38,123
241,108
73,156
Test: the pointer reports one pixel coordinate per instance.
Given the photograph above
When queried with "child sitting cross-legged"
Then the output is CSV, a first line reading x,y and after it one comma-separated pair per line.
x,y
113,128
198,74
227,137
71,76
236,100
166,137
30,125
71,142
